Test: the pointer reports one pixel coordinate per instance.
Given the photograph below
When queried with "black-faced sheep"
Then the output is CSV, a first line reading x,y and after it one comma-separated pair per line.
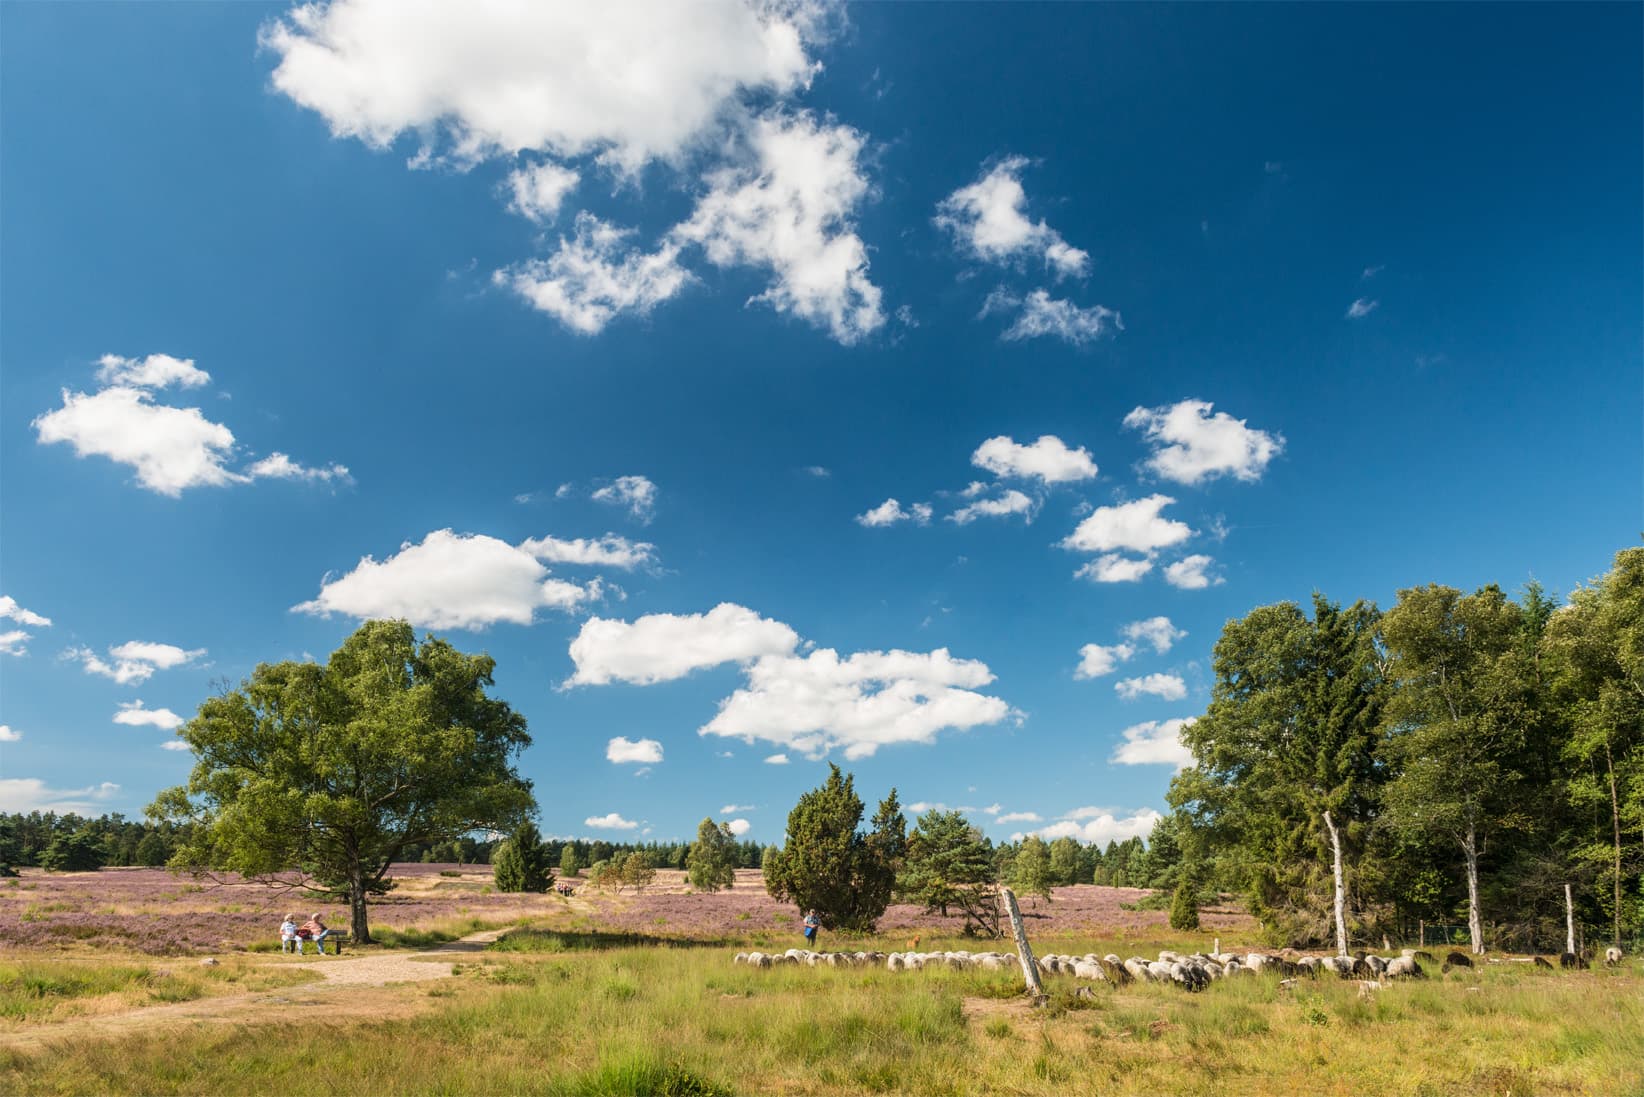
x,y
1612,957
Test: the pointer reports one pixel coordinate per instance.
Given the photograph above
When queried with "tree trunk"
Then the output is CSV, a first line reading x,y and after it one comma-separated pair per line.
x,y
357,924
1569,920
1475,922
1024,953
1341,891
1615,815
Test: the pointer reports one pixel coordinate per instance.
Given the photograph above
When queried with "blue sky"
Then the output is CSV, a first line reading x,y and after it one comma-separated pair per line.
x,y
582,323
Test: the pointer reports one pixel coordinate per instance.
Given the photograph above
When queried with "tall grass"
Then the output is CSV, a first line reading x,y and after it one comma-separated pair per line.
x,y
41,990
580,1014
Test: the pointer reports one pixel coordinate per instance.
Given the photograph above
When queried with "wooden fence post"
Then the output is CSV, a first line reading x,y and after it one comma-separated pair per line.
x,y
1030,970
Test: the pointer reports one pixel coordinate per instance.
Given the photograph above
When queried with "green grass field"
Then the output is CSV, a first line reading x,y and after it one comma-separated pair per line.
x,y
559,1012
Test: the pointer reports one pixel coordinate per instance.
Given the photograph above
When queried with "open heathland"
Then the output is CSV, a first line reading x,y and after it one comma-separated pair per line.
x,y
606,993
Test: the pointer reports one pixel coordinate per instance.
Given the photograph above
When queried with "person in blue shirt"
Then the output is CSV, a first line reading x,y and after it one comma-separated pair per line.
x,y
812,924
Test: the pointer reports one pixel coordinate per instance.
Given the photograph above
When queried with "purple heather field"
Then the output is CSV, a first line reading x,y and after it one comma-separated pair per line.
x,y
154,911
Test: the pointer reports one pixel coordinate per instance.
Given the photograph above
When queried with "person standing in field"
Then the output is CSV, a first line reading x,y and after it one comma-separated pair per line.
x,y
812,925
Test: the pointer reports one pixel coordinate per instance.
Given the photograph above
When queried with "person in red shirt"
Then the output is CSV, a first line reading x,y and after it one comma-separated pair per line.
x,y
314,930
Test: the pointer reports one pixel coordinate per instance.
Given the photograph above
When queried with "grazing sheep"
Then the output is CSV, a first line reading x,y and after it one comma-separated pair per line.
x,y
1159,971
1612,957
1405,967
1458,959
1137,968
893,962
1376,964
741,958
1309,965
1418,953
759,959
1089,969
1541,961
1571,960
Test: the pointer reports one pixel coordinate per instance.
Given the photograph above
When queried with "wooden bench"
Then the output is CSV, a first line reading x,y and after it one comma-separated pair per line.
x,y
336,936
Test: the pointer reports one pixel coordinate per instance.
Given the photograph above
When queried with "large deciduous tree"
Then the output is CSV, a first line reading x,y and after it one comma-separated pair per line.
x,y
826,864
711,862
1458,719
1287,775
320,775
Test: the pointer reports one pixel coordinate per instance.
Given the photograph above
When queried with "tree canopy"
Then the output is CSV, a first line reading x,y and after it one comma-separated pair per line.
x,y
711,862
950,865
331,771
827,865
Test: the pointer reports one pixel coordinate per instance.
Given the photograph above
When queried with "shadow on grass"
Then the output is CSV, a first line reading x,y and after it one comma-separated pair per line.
x,y
562,940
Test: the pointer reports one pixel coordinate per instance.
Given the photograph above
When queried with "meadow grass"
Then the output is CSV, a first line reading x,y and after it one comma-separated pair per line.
x,y
552,1011
45,990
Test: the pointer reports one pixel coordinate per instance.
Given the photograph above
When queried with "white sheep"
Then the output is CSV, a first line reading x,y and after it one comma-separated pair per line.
x,y
741,958
1403,967
1612,957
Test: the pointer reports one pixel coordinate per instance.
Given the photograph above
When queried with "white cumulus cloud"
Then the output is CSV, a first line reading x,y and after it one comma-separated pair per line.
x,y
10,610
1099,826
732,809
739,827
134,661
1048,459
1096,660
133,714
14,642
819,702
789,209
1155,742
1136,526
537,190
451,580
7,735
1019,817
890,512
25,794
1166,686
277,466
1114,568
636,493
595,276
777,760
1191,573
1011,502
660,647
613,821
157,371
1039,314
628,81
1190,445
610,551
988,221
638,751
1157,631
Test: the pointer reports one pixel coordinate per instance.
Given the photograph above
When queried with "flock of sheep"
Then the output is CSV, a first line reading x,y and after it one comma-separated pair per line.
x,y
1194,972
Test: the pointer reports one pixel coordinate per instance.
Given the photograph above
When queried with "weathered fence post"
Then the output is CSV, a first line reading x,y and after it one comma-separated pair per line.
x,y
1030,970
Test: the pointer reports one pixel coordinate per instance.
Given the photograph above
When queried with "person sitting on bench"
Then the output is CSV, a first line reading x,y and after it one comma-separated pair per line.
x,y
313,930
288,935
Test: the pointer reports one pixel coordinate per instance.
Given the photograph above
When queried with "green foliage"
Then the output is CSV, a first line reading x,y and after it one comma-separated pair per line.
x,y
336,769
1184,908
711,862
1030,870
77,852
637,871
569,864
826,864
1064,861
950,865
520,863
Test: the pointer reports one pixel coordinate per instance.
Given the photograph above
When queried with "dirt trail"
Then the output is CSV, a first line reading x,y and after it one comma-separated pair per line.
x,y
353,987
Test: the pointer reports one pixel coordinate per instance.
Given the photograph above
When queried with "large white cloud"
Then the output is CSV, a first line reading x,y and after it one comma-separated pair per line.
x,y
1190,445
1100,826
789,209
1155,742
1157,631
1039,314
1136,526
595,276
133,714
134,661
1192,573
1096,660
170,448
660,647
738,827
1048,459
818,702
988,220
890,512
26,794
645,752
627,80
1166,686
610,551
10,610
451,580
1011,502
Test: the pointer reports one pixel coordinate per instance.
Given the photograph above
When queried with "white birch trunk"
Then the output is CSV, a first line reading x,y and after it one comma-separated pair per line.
x,y
1341,890
1475,921
1569,920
